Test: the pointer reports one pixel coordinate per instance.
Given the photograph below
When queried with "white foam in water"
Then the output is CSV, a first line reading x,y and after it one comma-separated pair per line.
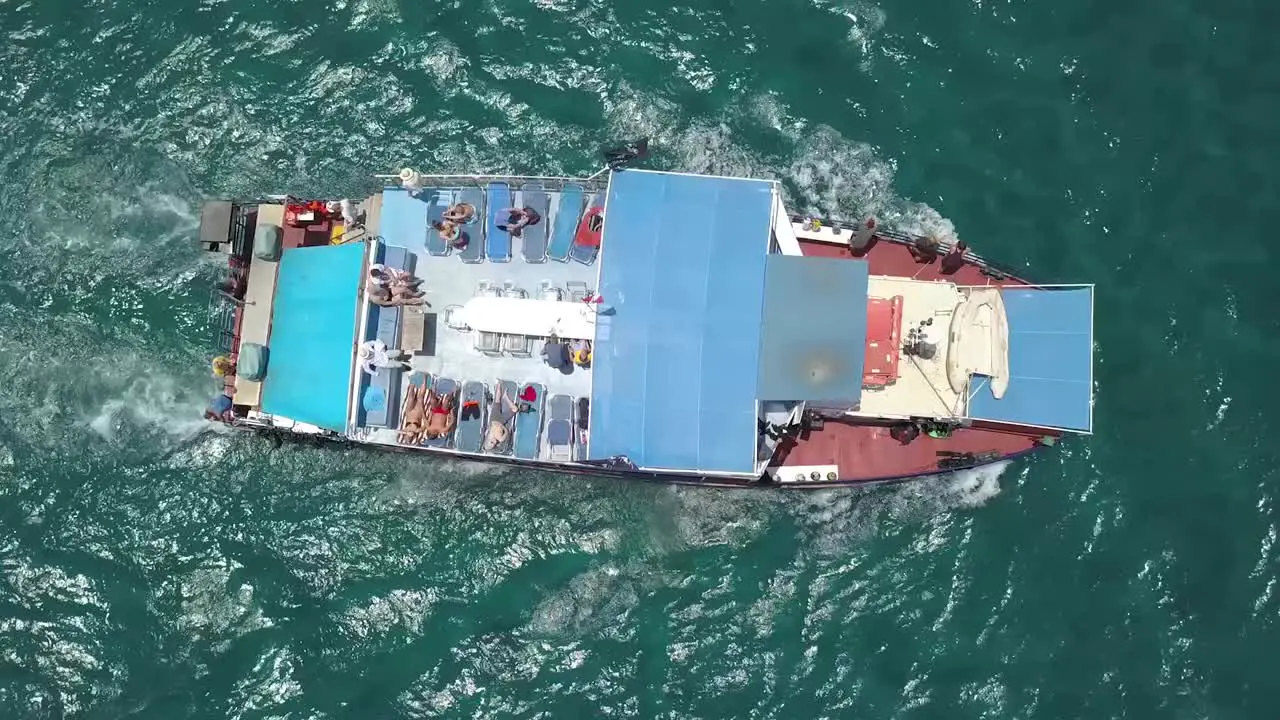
x,y
823,173
153,402
843,517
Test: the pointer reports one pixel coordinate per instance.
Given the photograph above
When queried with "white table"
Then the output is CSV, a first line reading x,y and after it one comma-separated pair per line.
x,y
537,318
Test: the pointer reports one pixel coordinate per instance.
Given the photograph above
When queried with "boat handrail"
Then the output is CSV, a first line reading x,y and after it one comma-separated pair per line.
x,y
479,178
222,312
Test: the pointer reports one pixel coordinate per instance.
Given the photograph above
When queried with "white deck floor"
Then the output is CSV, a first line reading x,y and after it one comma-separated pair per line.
x,y
922,388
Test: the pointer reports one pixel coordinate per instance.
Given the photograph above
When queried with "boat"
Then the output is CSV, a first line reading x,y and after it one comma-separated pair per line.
x,y
652,325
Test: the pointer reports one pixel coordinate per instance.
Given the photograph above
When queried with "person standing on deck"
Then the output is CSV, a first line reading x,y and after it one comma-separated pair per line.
x,y
375,355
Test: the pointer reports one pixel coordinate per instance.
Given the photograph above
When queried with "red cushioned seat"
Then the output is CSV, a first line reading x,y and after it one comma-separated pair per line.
x,y
884,341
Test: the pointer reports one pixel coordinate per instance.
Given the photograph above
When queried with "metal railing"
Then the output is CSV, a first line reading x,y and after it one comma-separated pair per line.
x,y
550,182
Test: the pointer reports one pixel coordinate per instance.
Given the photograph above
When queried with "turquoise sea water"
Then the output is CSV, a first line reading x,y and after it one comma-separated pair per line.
x,y
150,568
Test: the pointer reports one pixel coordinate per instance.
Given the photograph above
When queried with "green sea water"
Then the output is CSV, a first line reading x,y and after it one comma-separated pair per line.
x,y
153,568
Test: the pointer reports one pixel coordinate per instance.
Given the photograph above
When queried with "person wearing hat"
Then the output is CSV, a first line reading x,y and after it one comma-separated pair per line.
x,y
375,355
396,281
222,366
502,416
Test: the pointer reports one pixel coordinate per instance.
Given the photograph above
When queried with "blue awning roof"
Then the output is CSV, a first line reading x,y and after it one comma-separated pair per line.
x,y
674,367
1050,361
313,330
814,330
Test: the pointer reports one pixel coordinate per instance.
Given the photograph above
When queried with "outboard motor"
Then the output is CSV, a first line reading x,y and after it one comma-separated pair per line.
x,y
918,343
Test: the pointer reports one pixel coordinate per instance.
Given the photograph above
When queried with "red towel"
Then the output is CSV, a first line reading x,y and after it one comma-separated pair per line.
x,y
528,394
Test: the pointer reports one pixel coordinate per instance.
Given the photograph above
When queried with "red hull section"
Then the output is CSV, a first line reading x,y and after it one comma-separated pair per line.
x,y
867,452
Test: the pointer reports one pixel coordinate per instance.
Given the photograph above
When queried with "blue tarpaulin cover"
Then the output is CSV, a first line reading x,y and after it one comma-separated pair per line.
x,y
675,364
1050,361
313,330
405,218
815,330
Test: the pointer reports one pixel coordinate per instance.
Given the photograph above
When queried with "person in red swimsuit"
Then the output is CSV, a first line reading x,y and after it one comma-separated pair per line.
x,y
440,414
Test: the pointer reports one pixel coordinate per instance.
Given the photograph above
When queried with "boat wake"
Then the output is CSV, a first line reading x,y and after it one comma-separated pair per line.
x,y
822,172
837,519
155,403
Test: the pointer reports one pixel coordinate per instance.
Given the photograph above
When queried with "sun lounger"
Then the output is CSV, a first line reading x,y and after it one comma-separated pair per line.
x,y
416,379
437,203
510,387
533,238
529,424
443,386
497,241
471,414
568,214
560,428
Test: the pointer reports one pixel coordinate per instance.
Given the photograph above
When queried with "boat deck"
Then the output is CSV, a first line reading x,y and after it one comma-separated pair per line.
x,y
452,277
866,451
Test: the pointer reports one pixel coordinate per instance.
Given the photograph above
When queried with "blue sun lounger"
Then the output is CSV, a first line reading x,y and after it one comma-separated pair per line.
x,y
533,238
560,428
501,412
529,425
497,241
568,214
443,386
471,412
437,203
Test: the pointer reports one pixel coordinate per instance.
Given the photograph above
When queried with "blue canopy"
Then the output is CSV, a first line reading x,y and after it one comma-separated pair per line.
x,y
313,331
674,366
405,218
1050,361
815,330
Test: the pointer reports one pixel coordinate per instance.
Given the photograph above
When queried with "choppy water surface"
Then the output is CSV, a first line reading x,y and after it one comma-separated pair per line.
x,y
154,569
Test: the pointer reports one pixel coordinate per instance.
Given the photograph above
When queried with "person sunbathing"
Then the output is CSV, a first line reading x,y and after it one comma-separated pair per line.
x,y
415,416
502,415
386,298
450,233
440,415
390,278
460,213
518,219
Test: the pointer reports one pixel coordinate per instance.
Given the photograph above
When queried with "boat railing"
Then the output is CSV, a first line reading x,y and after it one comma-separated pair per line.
x,y
549,182
221,305
222,316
